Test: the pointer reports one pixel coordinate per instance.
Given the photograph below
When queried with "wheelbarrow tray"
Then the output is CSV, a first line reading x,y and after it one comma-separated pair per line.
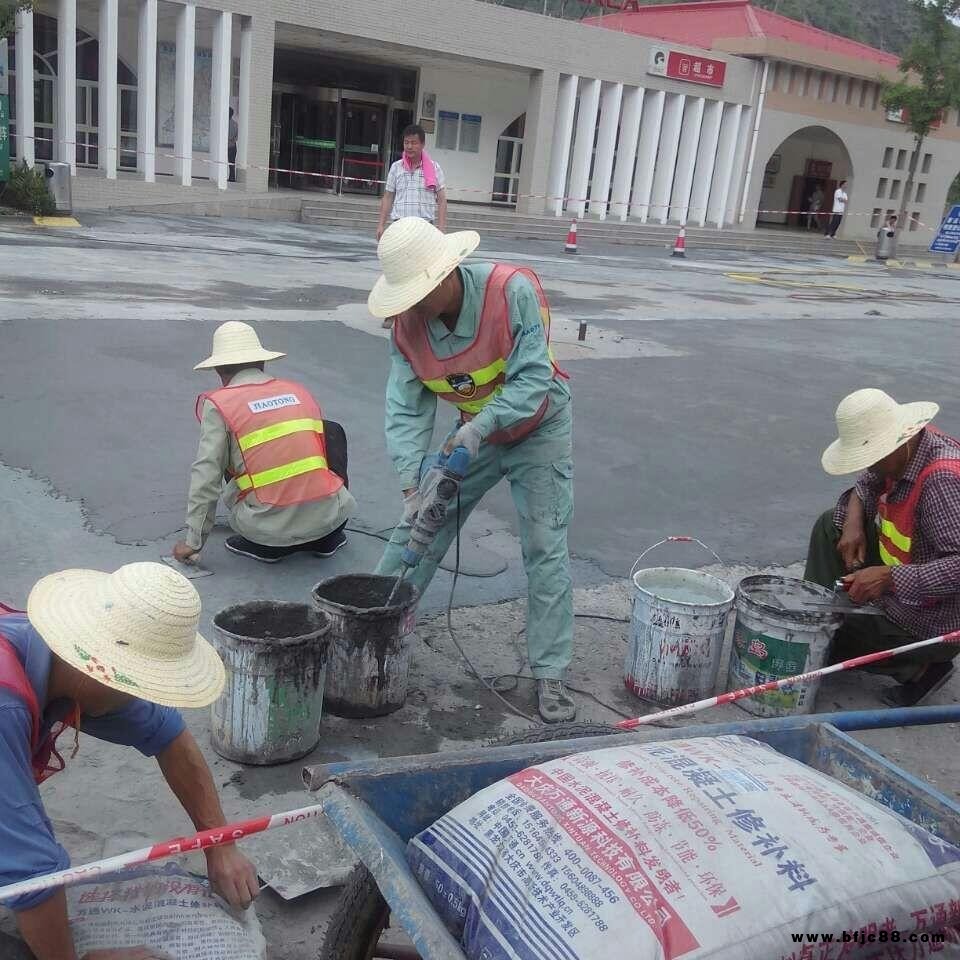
x,y
377,806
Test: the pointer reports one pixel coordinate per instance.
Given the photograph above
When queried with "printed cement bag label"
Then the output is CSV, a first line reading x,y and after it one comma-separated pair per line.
x,y
167,909
716,847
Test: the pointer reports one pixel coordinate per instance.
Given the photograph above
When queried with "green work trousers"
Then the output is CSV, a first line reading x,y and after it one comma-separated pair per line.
x,y
539,469
860,635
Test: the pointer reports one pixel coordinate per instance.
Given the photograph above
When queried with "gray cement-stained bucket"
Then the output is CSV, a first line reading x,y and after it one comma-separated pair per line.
x,y
275,656
369,643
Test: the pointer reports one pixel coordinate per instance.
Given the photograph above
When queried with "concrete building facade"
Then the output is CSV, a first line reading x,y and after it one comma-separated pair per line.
x,y
709,113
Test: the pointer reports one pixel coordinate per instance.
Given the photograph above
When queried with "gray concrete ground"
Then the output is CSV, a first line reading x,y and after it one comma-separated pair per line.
x,y
704,394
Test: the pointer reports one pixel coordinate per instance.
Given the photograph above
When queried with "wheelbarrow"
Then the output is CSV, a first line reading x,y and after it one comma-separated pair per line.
x,y
377,806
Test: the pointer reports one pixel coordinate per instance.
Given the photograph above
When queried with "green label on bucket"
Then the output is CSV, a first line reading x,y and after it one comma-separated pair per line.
x,y
770,656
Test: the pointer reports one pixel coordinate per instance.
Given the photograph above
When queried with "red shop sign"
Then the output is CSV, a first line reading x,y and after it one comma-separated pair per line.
x,y
686,66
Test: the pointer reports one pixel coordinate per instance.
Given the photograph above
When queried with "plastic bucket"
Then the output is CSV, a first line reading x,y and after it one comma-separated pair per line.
x,y
771,642
275,656
676,632
369,646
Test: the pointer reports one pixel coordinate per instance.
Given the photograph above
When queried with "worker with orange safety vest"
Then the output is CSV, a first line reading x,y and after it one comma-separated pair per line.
x,y
266,449
477,337
894,538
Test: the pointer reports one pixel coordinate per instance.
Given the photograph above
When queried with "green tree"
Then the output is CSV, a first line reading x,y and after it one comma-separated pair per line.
x,y
8,14
930,80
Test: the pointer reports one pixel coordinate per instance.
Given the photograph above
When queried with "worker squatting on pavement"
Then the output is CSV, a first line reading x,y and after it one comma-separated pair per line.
x,y
477,336
111,655
266,449
894,538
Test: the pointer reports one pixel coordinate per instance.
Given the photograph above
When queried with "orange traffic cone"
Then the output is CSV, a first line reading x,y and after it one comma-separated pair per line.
x,y
680,244
571,244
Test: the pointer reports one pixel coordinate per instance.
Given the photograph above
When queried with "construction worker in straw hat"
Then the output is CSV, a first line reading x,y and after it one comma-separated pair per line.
x,y
894,538
266,449
477,336
110,655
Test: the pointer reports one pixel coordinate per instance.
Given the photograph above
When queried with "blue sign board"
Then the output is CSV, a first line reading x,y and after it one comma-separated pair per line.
x,y
947,239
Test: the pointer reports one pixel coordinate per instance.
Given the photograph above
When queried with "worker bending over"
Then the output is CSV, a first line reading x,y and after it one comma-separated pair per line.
x,y
281,466
110,655
894,538
476,336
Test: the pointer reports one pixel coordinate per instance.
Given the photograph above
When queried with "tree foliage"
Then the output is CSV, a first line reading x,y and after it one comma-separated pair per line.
x,y
8,14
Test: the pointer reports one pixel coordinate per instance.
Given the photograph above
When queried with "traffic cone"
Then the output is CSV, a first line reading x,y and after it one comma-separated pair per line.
x,y
571,244
680,244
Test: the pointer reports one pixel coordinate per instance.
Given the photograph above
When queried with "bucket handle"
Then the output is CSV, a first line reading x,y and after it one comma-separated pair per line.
x,y
660,543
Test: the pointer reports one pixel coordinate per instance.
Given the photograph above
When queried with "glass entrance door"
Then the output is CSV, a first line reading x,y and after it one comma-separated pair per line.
x,y
506,171
362,152
127,134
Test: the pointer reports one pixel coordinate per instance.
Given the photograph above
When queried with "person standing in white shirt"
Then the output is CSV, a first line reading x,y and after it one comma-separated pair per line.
x,y
839,209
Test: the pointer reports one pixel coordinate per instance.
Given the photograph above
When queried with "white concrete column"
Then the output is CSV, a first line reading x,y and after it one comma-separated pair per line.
x,y
183,93
610,98
537,139
26,148
626,151
147,90
108,128
562,138
220,98
650,126
583,145
243,101
723,169
706,161
686,159
66,127
262,47
739,186
667,157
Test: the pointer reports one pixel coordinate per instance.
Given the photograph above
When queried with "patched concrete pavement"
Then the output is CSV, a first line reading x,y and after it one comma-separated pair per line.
x,y
703,395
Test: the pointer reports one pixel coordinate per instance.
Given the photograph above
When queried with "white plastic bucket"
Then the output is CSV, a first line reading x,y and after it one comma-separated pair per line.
x,y
771,642
676,632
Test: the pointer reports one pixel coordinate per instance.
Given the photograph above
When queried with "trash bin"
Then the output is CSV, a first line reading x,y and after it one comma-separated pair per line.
x,y
886,243
58,183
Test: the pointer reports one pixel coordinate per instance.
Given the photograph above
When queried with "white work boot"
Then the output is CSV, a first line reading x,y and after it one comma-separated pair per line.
x,y
554,702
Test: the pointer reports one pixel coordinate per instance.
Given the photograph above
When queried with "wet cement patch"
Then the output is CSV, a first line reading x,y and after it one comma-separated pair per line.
x,y
574,306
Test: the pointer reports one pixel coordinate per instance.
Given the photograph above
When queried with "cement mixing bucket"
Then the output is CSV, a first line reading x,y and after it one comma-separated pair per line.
x,y
275,655
676,632
369,645
772,641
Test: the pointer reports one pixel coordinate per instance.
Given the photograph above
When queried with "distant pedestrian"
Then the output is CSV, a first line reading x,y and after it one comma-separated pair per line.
x,y
814,204
839,209
415,188
233,134
887,238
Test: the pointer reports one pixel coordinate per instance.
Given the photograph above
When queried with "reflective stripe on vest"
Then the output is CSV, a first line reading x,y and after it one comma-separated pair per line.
x,y
284,456
896,522
473,377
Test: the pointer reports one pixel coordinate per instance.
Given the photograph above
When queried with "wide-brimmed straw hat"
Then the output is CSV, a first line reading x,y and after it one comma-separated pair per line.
x,y
236,342
415,257
871,425
134,630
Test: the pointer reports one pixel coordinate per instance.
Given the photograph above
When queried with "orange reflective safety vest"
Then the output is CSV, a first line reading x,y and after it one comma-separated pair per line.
x,y
279,429
471,378
897,521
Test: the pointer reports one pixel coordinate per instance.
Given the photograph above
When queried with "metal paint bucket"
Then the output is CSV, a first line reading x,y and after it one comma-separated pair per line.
x,y
275,656
369,646
771,642
676,633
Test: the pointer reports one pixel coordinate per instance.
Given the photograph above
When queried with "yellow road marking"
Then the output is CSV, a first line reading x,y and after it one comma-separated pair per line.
x,y
56,222
802,284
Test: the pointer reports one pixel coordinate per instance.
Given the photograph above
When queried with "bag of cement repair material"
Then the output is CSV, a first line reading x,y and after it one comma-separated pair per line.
x,y
165,908
717,847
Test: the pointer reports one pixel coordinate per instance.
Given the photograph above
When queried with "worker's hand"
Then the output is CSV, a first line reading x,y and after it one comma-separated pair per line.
x,y
852,546
468,436
868,584
183,552
411,506
232,875
380,229
128,953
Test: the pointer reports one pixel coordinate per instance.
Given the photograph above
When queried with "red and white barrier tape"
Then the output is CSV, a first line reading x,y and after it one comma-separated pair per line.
x,y
333,178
